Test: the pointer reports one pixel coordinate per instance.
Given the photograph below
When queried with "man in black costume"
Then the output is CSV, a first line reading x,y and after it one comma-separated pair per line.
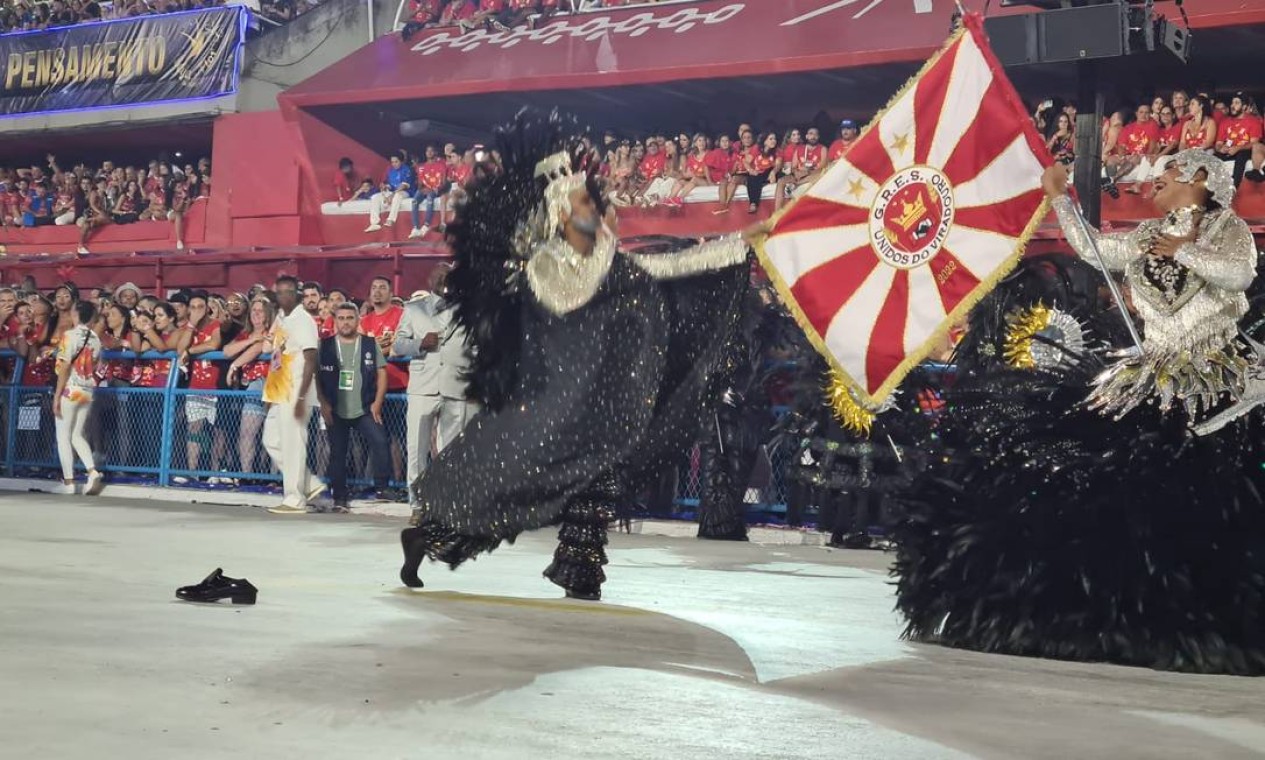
x,y
593,366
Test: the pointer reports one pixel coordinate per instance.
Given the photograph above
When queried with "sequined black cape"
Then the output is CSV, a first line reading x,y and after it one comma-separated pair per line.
x,y
618,387
1051,530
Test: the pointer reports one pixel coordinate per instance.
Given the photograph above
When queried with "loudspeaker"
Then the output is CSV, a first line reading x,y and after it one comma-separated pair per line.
x,y
1013,38
1077,34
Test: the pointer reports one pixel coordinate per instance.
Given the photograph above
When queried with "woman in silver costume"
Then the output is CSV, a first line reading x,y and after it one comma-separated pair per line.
x,y
1097,507
1187,273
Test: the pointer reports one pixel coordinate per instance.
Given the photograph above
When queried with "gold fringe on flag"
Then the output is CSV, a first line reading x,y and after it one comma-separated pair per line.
x,y
851,414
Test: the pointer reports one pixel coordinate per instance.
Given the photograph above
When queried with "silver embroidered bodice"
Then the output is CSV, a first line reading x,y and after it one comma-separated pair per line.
x,y
1193,302
563,280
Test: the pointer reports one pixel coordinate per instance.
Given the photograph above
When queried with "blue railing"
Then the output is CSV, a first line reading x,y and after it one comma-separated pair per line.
x,y
154,433
182,436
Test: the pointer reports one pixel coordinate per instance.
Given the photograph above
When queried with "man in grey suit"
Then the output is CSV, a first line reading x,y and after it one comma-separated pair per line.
x,y
437,406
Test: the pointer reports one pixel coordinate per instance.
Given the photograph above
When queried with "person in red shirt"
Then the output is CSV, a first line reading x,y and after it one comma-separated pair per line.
x,y
1219,110
432,184
737,174
9,326
1170,136
458,13
381,322
847,136
460,172
762,168
423,14
1199,131
1239,132
809,160
115,411
620,177
1135,141
349,185
248,372
697,171
201,336
651,166
1181,106
67,205
13,199
488,15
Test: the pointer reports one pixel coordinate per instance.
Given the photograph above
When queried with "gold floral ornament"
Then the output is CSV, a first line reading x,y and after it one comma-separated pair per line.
x,y
1041,336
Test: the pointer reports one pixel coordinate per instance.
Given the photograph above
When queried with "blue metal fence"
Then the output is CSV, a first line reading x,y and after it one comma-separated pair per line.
x,y
212,439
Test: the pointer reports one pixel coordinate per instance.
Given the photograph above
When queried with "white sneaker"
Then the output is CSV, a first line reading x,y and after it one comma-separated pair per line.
x,y
66,489
373,227
287,509
314,492
96,482
425,229
81,251
180,480
416,233
179,245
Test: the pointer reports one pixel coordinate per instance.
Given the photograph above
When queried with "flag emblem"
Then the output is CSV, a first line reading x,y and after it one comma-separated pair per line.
x,y
911,217
903,234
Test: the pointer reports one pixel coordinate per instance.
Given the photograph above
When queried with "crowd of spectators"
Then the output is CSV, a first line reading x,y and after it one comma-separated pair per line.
x,y
1229,127
496,15
33,15
656,169
189,323
30,15
91,197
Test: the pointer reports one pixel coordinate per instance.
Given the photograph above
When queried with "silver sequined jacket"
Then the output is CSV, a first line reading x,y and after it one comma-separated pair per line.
x,y
1222,264
1190,313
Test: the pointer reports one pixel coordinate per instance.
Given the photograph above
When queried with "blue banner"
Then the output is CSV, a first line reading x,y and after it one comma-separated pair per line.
x,y
149,59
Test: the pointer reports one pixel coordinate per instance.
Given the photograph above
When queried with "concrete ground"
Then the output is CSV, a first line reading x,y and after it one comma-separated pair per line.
x,y
701,650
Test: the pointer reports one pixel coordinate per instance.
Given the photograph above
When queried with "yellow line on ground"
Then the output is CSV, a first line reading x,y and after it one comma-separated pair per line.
x,y
560,605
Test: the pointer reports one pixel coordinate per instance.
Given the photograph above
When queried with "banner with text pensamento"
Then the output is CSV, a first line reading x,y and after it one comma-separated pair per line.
x,y
135,61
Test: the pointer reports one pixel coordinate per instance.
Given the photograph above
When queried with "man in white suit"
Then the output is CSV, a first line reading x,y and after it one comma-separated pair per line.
x,y
436,391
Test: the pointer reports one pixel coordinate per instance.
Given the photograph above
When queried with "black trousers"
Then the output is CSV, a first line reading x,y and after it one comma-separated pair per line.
x,y
755,186
1241,161
375,438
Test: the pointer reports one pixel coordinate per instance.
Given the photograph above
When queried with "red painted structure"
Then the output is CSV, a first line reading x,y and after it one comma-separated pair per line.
x,y
652,66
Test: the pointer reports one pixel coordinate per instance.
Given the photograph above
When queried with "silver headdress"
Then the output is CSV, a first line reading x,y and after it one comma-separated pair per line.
x,y
545,221
1220,182
562,182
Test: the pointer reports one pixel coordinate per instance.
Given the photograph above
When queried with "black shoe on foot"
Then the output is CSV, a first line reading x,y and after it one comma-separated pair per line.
x,y
588,596
414,552
217,586
1255,175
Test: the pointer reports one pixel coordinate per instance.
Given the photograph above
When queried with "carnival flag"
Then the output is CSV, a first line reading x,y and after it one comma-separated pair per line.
x,y
928,209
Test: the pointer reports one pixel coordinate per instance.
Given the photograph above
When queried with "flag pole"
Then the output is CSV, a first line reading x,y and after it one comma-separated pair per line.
x,y
1111,281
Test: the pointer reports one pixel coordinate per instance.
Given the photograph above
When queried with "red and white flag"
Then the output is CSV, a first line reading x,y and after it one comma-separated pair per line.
x,y
928,209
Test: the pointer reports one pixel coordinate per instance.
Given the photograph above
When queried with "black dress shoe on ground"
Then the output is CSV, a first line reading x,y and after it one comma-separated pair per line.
x,y
217,586
588,596
414,553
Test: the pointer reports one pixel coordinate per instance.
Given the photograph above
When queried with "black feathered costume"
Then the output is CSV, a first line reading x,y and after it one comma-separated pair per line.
x,y
593,371
1078,516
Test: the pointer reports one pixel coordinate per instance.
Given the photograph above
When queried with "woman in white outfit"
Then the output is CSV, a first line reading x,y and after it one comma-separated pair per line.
x,y
72,401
